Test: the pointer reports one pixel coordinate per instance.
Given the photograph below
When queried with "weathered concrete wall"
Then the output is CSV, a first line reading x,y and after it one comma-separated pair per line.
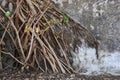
x,y
102,18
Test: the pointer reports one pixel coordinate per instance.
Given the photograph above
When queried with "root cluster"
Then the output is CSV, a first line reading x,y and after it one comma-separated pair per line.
x,y
37,35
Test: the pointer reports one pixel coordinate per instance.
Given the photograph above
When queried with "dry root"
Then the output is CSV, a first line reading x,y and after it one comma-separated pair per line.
x,y
41,36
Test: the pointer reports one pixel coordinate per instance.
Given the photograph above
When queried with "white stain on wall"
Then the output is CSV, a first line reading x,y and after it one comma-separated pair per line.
x,y
61,2
99,8
85,62
70,2
85,6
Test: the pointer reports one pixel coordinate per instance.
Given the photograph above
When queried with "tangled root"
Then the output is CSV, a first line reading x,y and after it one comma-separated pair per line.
x,y
41,36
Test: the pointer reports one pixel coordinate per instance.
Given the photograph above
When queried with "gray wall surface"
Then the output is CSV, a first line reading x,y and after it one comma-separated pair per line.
x,y
102,17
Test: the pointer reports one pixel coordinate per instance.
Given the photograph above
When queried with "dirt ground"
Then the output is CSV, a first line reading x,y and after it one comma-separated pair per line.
x,y
18,75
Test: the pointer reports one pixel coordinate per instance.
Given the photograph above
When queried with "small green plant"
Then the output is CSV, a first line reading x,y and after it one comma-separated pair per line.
x,y
66,19
7,14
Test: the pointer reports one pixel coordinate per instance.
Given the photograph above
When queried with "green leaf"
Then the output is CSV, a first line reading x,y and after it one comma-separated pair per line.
x,y
7,14
66,19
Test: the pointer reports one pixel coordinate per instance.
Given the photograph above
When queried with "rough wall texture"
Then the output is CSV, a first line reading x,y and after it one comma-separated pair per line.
x,y
102,17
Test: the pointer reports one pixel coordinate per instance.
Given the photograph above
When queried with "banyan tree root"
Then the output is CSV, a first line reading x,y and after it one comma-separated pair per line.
x,y
43,36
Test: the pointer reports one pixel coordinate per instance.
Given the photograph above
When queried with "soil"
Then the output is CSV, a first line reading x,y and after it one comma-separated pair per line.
x,y
19,75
